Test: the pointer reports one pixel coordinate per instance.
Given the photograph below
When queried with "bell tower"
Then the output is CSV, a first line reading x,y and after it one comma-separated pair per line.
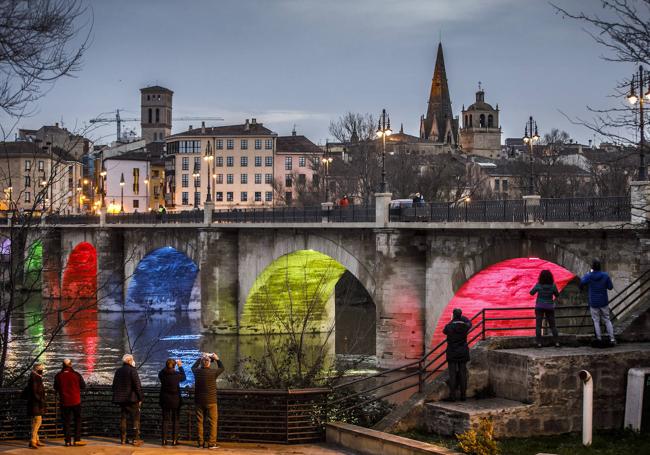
x,y
155,113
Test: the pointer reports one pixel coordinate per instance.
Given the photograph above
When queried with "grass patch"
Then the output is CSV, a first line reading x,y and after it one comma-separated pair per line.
x,y
604,443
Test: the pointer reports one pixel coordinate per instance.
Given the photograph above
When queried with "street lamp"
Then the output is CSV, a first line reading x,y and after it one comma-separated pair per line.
x,y
383,130
196,174
633,99
327,160
208,159
530,140
146,190
103,181
122,193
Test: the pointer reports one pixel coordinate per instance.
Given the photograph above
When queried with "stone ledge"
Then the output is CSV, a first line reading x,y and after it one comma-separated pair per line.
x,y
373,442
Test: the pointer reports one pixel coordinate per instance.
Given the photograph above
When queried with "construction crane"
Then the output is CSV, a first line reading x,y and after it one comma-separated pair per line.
x,y
118,120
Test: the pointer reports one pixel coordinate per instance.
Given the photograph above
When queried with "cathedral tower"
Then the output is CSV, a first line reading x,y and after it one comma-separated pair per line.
x,y
481,133
439,124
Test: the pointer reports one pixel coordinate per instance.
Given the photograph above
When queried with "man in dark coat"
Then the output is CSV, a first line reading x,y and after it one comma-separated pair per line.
x,y
170,397
205,395
35,394
127,392
69,384
457,353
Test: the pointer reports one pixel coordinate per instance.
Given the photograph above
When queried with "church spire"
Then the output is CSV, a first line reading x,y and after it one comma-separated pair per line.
x,y
439,105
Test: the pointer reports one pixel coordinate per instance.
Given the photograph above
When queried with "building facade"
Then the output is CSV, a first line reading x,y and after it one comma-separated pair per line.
x,y
481,133
126,184
296,177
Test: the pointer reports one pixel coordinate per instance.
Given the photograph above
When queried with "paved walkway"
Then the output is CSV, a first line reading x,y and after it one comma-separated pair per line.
x,y
99,446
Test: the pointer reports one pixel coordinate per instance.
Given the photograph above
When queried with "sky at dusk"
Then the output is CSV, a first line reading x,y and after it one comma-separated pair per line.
x,y
305,62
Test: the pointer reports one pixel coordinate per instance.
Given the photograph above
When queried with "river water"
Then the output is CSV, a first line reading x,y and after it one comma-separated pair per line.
x,y
96,341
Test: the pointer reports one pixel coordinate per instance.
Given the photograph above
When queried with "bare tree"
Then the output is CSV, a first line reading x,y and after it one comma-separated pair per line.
x,y
38,45
353,127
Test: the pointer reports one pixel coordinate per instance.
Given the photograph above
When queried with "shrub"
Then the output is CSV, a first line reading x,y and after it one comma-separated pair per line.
x,y
480,441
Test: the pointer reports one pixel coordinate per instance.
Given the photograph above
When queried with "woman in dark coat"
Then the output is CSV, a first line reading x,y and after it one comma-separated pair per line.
x,y
35,394
170,397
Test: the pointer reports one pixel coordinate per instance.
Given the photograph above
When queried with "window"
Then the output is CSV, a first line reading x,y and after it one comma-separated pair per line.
x,y
219,178
185,163
302,161
268,196
197,163
490,121
258,196
230,144
229,196
497,185
197,181
189,147
288,181
288,197
28,181
230,161
156,191
136,203
219,196
229,179
150,116
481,121
197,198
258,179
41,165
243,161
268,178
243,144
268,161
28,196
315,180
258,161
258,144
136,180
219,144
244,196
269,144
302,179
220,161
28,165
157,115
155,173
504,185
244,179
185,196
185,180
470,120
288,163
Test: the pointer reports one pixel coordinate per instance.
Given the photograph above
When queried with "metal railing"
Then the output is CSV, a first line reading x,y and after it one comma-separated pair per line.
x,y
72,219
277,416
316,214
186,216
489,321
519,210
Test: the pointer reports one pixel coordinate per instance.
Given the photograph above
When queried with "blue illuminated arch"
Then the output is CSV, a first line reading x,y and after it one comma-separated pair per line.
x,y
163,281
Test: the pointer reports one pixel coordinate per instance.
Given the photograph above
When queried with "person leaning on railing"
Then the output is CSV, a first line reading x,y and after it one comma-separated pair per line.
x,y
205,396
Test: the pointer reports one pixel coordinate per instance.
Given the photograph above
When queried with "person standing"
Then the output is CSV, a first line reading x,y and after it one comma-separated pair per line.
x,y
457,353
344,202
170,397
34,392
547,295
127,392
598,283
205,396
69,384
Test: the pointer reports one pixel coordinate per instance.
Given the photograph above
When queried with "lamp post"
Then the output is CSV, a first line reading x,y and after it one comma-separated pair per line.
x,y
102,174
530,140
122,193
327,160
196,174
208,160
383,130
633,99
146,190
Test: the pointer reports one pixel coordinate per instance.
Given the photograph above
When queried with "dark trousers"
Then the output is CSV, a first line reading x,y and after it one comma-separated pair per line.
x,y
540,314
130,411
457,378
170,415
70,412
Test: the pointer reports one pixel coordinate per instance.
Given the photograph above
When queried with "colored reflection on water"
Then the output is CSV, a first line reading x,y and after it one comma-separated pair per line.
x,y
80,276
34,265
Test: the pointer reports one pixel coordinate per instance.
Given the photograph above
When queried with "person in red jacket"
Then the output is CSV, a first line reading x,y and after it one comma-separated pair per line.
x,y
69,384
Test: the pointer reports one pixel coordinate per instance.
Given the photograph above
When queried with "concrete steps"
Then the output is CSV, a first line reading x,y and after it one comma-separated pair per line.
x,y
449,418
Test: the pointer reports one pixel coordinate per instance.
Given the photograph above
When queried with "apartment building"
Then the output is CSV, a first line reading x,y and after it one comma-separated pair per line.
x,y
239,160
297,179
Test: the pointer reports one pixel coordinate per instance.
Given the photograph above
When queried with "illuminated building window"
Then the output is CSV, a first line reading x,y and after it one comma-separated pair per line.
x,y
219,178
185,180
219,196
244,196
220,161
258,196
229,196
302,161
185,197
288,163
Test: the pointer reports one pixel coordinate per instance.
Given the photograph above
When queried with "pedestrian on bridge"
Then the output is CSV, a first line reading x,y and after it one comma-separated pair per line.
x,y
598,283
69,384
205,396
34,393
170,397
547,295
127,392
457,353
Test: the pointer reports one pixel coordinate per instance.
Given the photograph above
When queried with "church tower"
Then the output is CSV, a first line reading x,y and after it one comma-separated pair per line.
x,y
155,113
481,133
439,124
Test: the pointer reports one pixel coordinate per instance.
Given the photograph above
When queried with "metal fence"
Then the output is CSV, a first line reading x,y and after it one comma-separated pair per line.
x,y
72,219
518,210
186,216
291,416
317,214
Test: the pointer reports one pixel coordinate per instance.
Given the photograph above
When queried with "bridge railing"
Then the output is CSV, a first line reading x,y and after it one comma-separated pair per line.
x,y
72,219
314,214
186,216
591,209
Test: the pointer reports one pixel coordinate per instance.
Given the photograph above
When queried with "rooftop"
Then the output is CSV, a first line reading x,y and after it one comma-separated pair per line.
x,y
296,144
246,129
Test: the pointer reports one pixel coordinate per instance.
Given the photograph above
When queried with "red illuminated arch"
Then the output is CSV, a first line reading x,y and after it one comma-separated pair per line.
x,y
80,276
504,284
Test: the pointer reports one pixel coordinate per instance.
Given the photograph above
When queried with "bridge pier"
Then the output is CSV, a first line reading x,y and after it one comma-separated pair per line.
x,y
52,271
110,269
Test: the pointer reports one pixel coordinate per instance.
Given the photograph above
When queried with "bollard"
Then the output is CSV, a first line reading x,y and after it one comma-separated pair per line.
x,y
587,406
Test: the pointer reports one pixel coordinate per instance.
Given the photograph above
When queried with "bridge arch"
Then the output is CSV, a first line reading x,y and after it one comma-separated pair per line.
x,y
33,265
80,273
165,279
